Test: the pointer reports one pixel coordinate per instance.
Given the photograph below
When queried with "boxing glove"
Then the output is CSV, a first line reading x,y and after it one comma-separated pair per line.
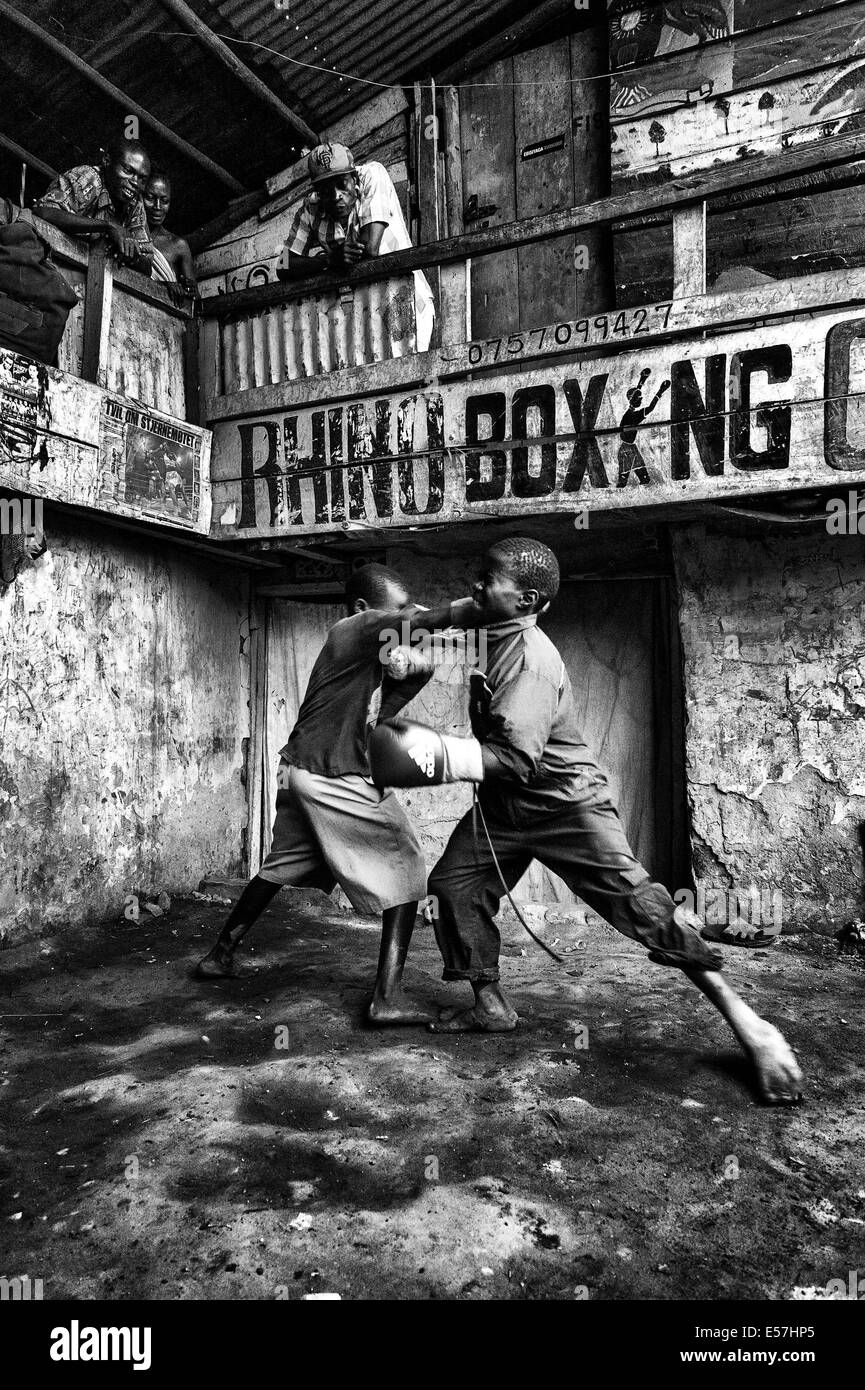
x,y
405,754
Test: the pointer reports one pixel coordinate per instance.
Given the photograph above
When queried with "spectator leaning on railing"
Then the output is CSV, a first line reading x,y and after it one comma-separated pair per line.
x,y
172,261
352,213
105,199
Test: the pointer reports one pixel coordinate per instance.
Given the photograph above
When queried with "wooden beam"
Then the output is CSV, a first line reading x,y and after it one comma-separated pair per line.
x,y
678,193
98,292
244,74
191,370
427,172
76,251
255,750
689,251
20,153
590,61
93,76
455,298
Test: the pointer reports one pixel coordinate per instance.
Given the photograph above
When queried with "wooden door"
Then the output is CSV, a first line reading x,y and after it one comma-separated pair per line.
x,y
618,641
489,192
294,633
518,162
544,177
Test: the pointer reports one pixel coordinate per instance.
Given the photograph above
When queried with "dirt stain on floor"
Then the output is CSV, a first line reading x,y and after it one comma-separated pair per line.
x,y
164,1138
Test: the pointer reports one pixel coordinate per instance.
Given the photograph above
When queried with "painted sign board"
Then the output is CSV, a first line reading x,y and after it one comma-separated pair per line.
x,y
745,411
67,440
697,83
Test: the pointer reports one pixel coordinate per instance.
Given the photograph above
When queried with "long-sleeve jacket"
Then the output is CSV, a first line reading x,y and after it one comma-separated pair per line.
x,y
523,710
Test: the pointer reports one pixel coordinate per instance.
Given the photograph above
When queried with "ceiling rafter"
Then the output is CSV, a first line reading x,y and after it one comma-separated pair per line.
x,y
96,78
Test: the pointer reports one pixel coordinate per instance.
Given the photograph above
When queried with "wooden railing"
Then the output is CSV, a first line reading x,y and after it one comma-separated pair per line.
x,y
125,334
312,327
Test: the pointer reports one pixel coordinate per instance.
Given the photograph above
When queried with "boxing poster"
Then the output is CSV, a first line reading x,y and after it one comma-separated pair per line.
x,y
150,464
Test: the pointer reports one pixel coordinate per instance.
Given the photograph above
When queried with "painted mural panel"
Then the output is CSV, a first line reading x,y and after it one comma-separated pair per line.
x,y
641,33
694,93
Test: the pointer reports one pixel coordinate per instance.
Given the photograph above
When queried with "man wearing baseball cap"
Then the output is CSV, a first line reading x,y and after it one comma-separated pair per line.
x,y
352,213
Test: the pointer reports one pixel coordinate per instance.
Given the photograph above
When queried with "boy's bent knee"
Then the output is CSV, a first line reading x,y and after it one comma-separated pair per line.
x,y
671,933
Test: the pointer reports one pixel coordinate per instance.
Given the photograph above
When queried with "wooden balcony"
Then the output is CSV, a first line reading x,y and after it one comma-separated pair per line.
x,y
125,334
113,428
705,398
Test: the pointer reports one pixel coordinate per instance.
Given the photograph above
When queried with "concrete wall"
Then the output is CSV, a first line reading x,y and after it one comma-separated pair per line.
x,y
773,633
124,672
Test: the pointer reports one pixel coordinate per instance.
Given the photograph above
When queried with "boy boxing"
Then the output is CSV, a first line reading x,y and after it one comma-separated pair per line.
x,y
542,796
332,825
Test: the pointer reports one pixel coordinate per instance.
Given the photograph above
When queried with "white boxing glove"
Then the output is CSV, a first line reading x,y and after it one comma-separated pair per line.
x,y
403,662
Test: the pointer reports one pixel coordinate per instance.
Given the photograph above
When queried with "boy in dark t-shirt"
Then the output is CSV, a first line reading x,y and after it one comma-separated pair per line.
x,y
332,824
542,796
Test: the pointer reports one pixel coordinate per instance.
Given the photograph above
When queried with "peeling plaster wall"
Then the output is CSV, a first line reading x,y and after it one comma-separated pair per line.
x,y
124,669
773,634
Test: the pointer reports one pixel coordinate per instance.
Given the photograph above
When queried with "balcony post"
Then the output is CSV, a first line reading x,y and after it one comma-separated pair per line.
x,y
689,251
98,291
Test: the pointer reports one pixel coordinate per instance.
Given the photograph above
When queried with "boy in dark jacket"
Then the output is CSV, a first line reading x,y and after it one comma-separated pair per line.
x,y
543,796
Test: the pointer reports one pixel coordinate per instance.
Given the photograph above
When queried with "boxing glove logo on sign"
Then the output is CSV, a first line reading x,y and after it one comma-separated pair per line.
x,y
423,755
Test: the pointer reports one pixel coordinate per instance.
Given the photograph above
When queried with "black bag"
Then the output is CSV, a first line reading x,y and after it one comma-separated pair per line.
x,y
35,300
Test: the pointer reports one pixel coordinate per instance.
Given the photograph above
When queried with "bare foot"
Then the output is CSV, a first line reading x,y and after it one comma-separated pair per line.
x,y
217,965
476,1020
778,1076
396,1011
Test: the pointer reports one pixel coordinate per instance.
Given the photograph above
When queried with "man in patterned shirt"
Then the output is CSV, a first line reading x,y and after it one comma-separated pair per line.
x,y
352,214
105,200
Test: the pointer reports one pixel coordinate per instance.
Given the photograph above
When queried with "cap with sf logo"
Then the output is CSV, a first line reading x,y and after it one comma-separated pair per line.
x,y
329,161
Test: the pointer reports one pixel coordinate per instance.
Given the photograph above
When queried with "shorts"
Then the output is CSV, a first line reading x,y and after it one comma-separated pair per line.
x,y
331,830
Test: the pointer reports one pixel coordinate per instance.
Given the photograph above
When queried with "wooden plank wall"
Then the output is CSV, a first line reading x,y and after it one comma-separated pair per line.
x,y
770,74
509,112
542,110
489,190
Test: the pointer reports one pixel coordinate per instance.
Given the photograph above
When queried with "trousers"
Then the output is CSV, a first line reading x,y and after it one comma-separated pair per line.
x,y
585,844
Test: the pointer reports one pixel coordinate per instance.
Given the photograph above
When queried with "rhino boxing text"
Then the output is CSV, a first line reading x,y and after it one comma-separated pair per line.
x,y
568,434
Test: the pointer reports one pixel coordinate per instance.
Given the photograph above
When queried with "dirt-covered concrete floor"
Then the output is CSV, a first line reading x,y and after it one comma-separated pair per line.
x,y
252,1139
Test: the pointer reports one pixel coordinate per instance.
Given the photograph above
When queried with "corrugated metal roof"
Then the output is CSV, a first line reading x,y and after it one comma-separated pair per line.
x,y
380,42
326,58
